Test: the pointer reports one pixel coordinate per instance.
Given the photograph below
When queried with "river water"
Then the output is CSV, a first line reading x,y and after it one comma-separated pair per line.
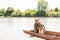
x,y
11,28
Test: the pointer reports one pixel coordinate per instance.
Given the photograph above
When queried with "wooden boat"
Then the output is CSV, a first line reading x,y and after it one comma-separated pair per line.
x,y
48,35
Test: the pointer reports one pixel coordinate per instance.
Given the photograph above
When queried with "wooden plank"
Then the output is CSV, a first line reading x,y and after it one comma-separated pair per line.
x,y
52,33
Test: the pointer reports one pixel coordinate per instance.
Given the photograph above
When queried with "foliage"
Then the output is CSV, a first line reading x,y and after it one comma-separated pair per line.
x,y
2,11
56,9
17,13
9,11
29,13
42,7
40,14
41,11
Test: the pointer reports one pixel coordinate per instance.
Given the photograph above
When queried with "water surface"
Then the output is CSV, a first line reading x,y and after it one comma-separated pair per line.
x,y
11,28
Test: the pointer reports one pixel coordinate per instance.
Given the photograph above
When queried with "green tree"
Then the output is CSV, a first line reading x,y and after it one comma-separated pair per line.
x,y
56,9
58,12
2,11
40,14
50,13
17,13
9,11
33,11
27,13
55,12
42,7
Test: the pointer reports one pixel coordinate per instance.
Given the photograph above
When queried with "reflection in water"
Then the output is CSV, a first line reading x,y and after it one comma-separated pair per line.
x,y
11,28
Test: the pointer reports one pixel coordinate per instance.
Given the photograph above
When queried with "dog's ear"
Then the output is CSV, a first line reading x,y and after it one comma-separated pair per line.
x,y
42,25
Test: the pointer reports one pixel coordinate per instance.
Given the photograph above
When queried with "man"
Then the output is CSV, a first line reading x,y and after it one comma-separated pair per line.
x,y
38,27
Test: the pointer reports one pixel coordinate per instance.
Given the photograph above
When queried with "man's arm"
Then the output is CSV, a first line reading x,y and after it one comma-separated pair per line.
x,y
35,27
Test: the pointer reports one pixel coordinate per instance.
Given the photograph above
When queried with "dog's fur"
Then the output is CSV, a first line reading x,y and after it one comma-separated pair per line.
x,y
41,30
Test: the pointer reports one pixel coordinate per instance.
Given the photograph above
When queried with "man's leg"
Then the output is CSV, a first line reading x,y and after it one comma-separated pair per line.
x,y
37,31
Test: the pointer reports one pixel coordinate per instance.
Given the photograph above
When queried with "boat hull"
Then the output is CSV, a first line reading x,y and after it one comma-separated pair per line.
x,y
48,35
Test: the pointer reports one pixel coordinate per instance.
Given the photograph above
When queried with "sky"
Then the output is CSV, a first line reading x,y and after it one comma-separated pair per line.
x,y
25,4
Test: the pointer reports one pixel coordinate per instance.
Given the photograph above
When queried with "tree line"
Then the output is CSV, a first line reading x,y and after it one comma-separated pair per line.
x,y
41,11
10,11
29,12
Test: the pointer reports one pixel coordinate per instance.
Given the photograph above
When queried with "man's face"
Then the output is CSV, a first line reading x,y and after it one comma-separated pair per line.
x,y
36,21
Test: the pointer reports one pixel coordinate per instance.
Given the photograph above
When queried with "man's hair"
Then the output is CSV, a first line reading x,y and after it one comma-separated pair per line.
x,y
36,19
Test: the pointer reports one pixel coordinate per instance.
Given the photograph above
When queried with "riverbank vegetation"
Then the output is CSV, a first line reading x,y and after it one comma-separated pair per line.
x,y
41,11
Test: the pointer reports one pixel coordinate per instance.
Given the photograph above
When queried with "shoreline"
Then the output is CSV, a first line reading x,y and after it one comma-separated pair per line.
x,y
27,17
